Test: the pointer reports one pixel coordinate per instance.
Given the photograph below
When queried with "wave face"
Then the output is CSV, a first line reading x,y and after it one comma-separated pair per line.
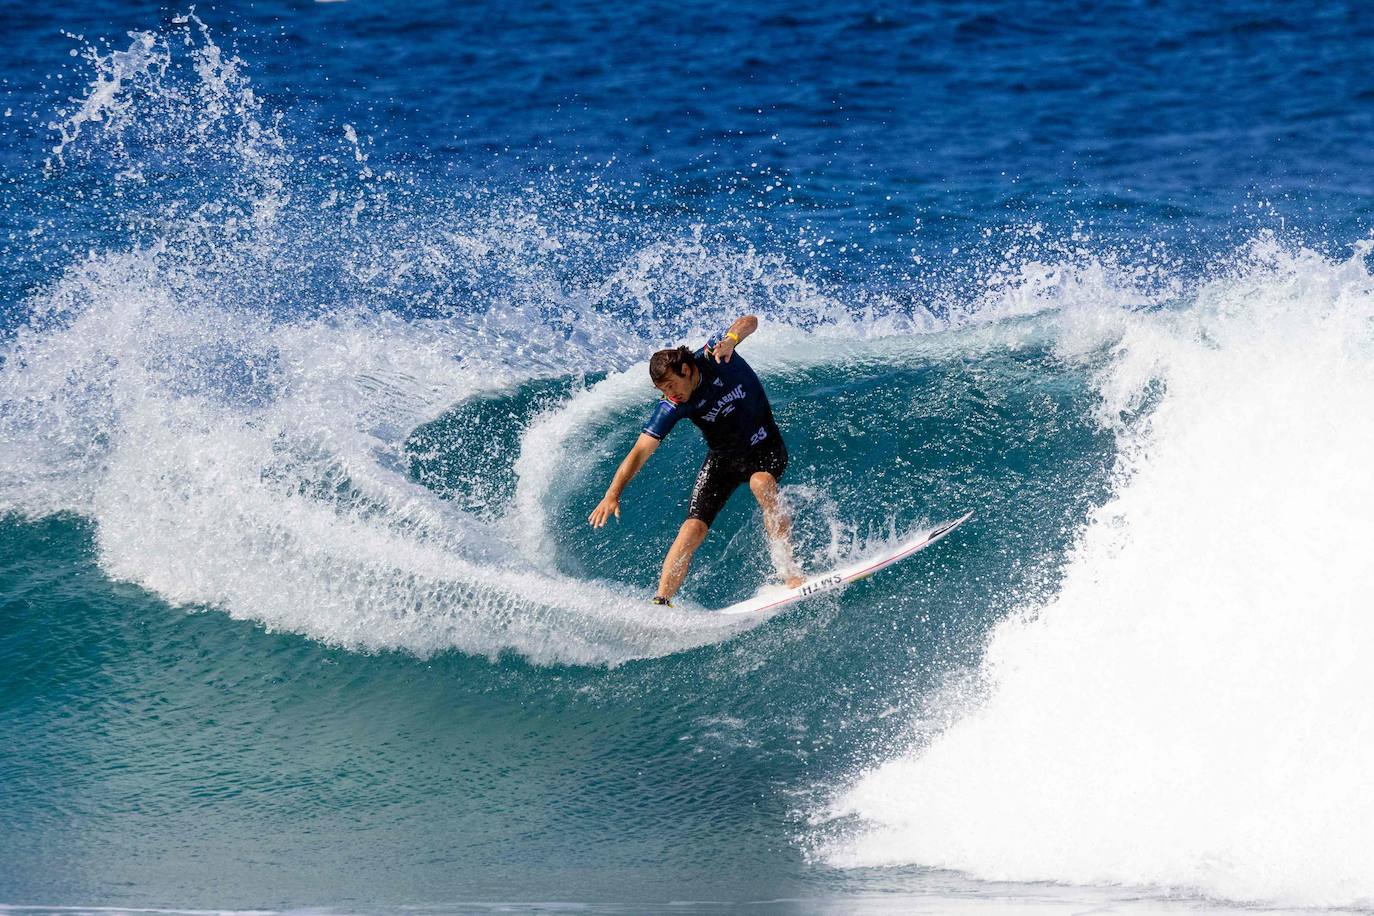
x,y
1185,711
313,363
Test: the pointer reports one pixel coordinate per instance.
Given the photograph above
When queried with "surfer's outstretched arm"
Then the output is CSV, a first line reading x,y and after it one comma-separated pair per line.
x,y
610,503
742,328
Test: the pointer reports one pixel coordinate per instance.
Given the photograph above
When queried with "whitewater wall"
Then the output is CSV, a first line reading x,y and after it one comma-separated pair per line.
x,y
1189,710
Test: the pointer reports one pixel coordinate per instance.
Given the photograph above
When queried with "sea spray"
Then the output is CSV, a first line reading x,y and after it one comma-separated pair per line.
x,y
226,391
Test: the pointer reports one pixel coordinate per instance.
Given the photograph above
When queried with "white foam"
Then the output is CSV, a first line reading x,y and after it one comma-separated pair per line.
x,y
283,499
1191,710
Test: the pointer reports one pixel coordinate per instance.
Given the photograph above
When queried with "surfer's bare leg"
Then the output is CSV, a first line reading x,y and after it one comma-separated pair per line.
x,y
778,523
689,538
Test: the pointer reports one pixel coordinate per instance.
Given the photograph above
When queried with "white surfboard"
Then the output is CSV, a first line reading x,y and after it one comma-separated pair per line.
x,y
775,599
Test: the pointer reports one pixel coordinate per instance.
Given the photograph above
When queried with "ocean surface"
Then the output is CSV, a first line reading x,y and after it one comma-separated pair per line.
x,y
324,326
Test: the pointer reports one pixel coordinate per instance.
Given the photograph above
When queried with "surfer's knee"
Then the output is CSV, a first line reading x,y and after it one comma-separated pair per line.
x,y
776,519
764,485
695,529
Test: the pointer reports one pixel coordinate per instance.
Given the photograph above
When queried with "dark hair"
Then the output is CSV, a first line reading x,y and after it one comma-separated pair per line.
x,y
668,362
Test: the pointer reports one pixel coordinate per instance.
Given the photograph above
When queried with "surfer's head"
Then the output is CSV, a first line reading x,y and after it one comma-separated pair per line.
x,y
674,373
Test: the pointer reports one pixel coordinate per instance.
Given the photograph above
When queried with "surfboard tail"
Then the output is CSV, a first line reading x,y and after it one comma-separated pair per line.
x,y
839,578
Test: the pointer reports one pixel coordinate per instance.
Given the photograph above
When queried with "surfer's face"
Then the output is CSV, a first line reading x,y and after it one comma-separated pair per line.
x,y
678,388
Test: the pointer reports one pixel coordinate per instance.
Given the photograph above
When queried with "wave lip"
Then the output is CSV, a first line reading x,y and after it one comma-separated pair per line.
x,y
1189,710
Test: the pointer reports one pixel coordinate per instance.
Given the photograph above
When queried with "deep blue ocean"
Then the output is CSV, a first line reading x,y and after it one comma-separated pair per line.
x,y
323,327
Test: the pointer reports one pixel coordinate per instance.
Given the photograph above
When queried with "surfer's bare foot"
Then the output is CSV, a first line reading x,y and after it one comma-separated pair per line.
x,y
794,581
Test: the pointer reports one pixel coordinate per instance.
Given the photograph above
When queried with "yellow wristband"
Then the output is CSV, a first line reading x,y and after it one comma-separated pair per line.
x,y
732,335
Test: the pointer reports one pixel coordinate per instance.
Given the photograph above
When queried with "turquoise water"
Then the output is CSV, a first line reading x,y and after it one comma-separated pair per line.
x,y
322,331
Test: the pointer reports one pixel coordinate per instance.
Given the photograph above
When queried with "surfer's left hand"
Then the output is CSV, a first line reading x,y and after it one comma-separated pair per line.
x,y
723,350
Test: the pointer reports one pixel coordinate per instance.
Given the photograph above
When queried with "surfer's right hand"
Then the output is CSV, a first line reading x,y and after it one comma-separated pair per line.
x,y
603,511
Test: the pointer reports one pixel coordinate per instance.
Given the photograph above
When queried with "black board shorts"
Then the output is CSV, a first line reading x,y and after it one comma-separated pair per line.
x,y
722,472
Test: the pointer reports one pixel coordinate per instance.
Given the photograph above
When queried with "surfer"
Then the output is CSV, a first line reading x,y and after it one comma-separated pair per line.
x,y
717,391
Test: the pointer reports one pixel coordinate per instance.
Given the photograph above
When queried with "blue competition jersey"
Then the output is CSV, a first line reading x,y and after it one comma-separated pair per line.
x,y
728,406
